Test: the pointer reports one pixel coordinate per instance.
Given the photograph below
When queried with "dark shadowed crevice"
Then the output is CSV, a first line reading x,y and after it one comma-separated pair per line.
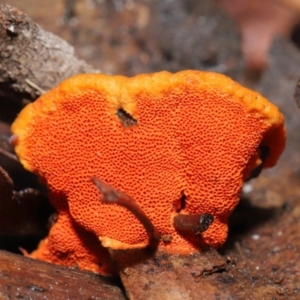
x,y
264,154
180,204
295,35
182,201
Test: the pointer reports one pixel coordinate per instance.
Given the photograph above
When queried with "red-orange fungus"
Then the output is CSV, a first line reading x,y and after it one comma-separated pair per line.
x,y
175,143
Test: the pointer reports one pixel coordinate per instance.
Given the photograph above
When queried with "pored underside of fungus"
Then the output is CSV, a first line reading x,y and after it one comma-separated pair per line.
x,y
180,145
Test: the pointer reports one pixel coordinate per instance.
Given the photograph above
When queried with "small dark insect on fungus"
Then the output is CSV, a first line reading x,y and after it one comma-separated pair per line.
x,y
126,119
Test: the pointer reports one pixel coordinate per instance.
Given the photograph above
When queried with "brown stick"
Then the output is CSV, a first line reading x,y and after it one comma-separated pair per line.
x,y
8,155
111,195
193,223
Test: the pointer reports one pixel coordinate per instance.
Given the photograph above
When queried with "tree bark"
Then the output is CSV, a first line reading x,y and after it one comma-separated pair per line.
x,y
31,60
27,278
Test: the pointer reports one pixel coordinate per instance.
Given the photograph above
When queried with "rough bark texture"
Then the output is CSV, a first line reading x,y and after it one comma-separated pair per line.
x,y
25,278
28,54
163,276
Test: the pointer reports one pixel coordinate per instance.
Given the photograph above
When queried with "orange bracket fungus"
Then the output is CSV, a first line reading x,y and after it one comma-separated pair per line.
x,y
171,152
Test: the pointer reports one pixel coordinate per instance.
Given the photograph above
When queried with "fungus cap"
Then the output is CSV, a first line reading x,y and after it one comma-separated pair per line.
x,y
176,143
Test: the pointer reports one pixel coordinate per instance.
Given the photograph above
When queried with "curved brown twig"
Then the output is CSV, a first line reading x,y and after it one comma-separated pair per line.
x,y
111,195
195,224
9,155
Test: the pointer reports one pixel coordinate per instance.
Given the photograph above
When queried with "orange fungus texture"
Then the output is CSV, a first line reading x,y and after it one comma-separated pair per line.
x,y
175,143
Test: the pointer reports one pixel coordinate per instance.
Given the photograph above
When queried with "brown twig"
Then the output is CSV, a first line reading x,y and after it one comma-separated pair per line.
x,y
111,195
193,223
9,155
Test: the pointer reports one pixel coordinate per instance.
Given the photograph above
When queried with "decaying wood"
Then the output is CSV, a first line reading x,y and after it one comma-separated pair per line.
x,y
26,278
29,58
162,276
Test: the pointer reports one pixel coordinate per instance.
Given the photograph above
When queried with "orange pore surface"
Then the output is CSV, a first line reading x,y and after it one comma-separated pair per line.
x,y
197,134
70,245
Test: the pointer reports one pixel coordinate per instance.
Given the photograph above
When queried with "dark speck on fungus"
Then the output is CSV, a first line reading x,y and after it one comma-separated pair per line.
x,y
126,119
